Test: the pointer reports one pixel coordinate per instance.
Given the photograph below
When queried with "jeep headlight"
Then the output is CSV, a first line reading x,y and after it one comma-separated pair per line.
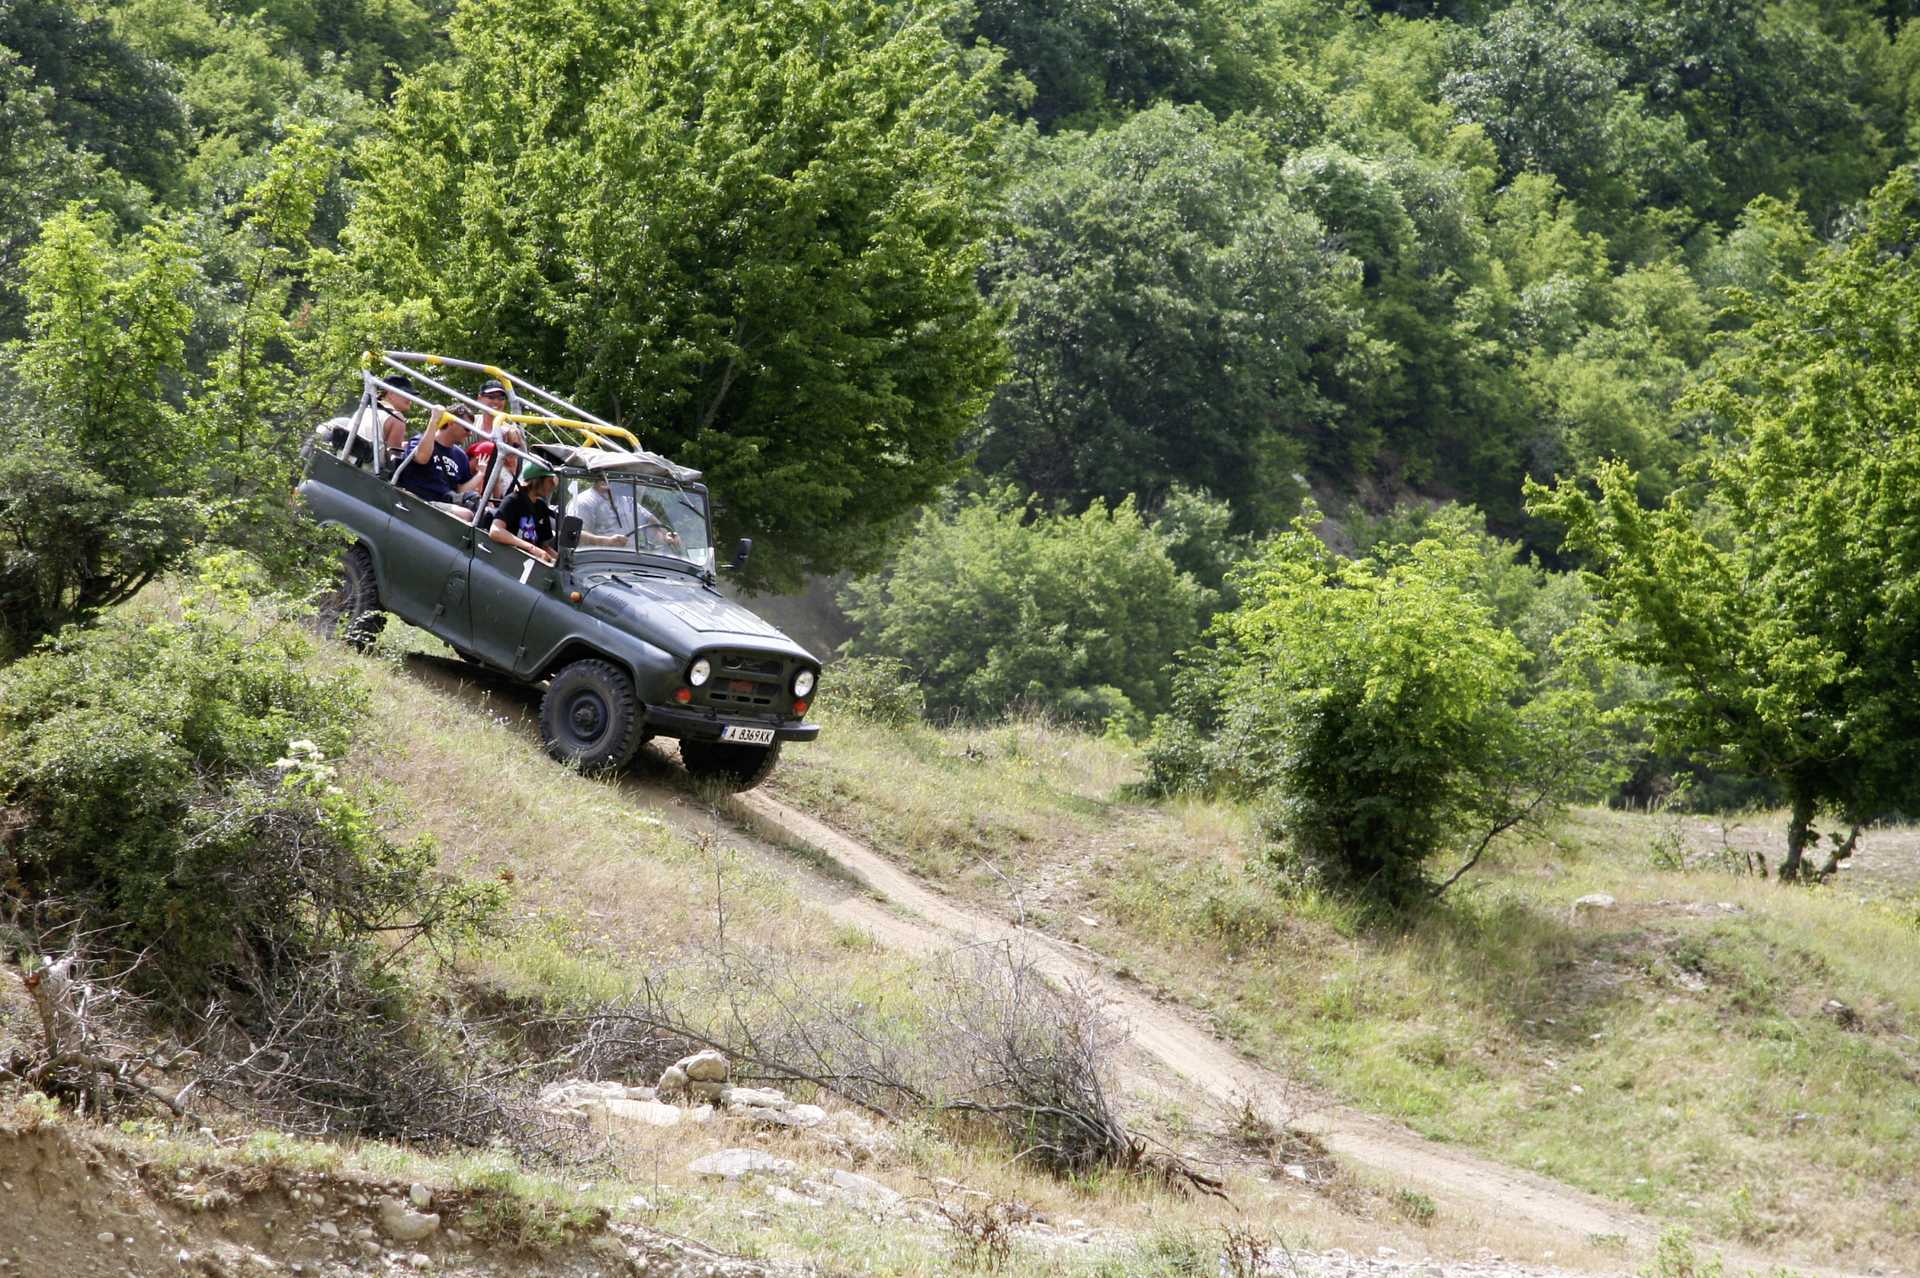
x,y
699,672
803,683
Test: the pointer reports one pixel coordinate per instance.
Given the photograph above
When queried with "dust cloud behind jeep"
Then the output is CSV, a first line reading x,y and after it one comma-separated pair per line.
x,y
624,626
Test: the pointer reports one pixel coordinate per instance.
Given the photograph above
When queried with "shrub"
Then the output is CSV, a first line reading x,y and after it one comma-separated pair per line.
x,y
878,689
1377,706
166,787
998,606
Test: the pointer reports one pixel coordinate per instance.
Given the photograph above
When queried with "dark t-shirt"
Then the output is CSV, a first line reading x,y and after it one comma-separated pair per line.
x,y
437,478
528,518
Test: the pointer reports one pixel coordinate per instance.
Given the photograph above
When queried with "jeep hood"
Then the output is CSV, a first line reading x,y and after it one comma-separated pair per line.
x,y
682,610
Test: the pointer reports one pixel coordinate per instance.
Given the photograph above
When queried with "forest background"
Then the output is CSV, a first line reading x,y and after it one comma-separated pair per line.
x,y
1061,315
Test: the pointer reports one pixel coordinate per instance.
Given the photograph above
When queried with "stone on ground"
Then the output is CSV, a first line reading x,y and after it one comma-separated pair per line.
x,y
732,1164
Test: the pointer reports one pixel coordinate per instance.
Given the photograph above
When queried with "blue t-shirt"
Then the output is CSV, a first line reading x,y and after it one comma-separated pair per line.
x,y
440,476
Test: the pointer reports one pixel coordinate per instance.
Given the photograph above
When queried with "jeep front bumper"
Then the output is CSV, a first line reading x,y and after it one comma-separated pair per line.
x,y
698,725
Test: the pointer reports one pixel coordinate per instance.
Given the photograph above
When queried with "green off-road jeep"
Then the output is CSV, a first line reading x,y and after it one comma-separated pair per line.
x,y
624,627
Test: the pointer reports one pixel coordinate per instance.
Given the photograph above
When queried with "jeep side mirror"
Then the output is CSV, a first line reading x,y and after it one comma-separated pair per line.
x,y
741,550
570,526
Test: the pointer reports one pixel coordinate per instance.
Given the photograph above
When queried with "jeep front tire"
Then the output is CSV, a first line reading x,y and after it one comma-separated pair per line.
x,y
738,767
590,717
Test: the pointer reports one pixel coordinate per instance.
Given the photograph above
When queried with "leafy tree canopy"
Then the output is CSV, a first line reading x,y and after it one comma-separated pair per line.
x,y
107,96
994,604
1379,706
750,230
1165,300
1784,607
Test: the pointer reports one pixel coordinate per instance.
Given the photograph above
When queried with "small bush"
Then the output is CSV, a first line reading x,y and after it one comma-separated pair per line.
x,y
880,690
998,605
1377,707
170,790
166,795
1415,1206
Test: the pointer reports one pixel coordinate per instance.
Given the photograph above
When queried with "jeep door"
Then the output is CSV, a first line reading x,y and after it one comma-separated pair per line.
x,y
506,584
426,564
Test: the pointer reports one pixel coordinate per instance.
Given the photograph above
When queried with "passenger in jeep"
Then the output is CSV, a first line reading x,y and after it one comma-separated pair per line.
x,y
524,519
437,465
605,518
505,475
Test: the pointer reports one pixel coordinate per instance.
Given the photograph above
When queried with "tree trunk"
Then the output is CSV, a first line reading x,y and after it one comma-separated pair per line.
x,y
1798,827
1841,851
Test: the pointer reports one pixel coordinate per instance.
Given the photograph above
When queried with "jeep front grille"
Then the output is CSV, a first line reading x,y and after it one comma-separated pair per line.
x,y
747,683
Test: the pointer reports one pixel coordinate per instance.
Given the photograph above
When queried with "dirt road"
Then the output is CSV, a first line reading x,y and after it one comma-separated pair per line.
x,y
1176,1056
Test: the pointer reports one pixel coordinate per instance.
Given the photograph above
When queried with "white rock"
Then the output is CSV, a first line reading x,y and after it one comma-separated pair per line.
x,y
105,1236
327,1229
575,1092
640,1093
800,1116
863,1189
1592,902
420,1260
647,1113
700,1114
705,1067
672,1079
404,1225
732,1164
756,1096
420,1196
1296,1170
787,1198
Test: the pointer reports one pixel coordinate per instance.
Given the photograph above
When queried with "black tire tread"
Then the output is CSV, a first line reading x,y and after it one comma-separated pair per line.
x,y
618,688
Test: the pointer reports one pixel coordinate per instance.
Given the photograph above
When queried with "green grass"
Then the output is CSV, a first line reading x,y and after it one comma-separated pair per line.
x,y
1673,1053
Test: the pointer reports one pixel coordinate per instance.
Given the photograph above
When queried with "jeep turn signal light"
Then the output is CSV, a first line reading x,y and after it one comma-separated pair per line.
x,y
799,708
574,597
683,695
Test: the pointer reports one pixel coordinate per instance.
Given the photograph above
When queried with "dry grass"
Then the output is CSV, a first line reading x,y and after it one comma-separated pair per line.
x,y
606,894
1677,1052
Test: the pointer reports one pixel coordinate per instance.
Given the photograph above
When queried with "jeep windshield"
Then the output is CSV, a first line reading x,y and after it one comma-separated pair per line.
x,y
626,515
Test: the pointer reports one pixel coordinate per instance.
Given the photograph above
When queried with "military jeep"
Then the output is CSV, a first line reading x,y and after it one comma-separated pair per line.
x,y
625,627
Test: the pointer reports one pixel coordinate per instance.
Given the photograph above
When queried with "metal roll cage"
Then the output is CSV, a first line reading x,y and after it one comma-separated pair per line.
x,y
560,415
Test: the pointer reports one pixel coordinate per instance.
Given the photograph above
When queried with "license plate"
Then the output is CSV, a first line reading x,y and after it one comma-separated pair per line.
x,y
747,736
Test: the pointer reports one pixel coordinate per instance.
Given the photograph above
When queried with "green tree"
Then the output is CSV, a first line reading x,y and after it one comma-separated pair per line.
x,y
751,230
997,607
108,97
1164,306
1777,104
97,465
1380,708
1089,58
39,173
1783,606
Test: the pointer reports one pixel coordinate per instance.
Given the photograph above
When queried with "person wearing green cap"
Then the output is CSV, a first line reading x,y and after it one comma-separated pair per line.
x,y
524,519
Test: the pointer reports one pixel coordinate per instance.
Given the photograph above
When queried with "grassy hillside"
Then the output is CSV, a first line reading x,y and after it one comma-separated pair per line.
x,y
1715,1049
620,882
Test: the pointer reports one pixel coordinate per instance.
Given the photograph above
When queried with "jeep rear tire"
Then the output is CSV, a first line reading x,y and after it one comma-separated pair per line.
x,y
351,610
590,717
738,767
